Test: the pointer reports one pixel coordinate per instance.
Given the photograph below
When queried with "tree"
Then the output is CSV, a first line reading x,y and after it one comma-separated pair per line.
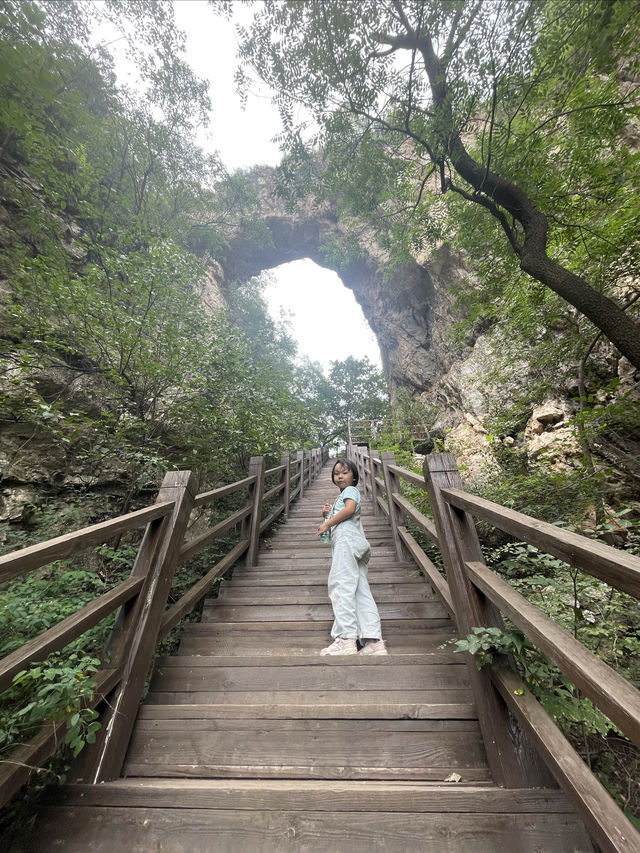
x,y
355,391
482,109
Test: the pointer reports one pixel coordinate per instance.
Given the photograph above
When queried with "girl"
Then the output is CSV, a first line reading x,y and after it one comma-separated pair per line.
x,y
355,613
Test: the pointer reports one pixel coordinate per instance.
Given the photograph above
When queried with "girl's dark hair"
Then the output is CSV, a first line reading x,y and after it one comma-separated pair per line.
x,y
347,463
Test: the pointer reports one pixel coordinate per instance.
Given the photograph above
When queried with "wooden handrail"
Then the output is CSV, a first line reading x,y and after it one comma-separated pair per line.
x,y
35,556
275,470
611,565
160,552
274,491
408,475
607,823
429,570
191,548
188,601
612,693
422,521
68,629
223,491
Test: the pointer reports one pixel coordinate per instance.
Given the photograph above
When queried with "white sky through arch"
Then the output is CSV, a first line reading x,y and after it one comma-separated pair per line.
x,y
325,317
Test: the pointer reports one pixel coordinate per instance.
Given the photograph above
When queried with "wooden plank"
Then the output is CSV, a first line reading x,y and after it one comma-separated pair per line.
x,y
317,594
315,700
293,707
174,830
615,567
67,630
266,643
233,651
194,546
317,795
612,693
392,627
606,822
431,573
334,677
19,562
287,660
325,748
317,612
188,601
303,578
175,722
206,497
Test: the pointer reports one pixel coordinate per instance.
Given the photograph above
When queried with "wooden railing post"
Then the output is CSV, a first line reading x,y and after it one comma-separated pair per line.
x,y
157,558
392,484
373,454
362,471
513,761
300,460
256,492
285,479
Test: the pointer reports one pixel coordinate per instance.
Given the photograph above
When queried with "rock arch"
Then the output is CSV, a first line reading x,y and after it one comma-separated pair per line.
x,y
410,310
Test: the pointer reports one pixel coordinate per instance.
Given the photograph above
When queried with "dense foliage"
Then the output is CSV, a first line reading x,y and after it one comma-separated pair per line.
x,y
460,118
113,367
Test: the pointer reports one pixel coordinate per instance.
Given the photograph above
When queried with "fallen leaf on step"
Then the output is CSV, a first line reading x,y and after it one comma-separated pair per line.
x,y
454,777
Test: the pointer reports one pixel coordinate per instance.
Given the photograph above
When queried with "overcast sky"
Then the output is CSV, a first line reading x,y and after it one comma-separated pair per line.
x,y
312,295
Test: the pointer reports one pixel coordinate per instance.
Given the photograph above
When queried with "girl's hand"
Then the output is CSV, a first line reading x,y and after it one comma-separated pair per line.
x,y
323,528
326,509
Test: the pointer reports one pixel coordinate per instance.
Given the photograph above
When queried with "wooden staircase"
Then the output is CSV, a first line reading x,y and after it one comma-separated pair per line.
x,y
249,741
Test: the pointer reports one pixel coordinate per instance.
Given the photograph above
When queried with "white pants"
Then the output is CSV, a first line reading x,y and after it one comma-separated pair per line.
x,y
354,610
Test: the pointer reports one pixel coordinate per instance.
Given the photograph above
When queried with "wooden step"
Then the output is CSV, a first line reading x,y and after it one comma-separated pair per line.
x,y
213,610
314,705
316,594
252,639
377,749
197,677
314,816
180,829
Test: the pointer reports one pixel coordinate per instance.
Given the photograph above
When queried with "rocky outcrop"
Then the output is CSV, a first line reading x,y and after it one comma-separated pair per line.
x,y
410,308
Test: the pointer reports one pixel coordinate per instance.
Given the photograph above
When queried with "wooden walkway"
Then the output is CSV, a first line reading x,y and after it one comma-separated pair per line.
x,y
250,741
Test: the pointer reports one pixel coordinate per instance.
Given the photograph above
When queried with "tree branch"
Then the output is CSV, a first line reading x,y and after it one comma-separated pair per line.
x,y
495,211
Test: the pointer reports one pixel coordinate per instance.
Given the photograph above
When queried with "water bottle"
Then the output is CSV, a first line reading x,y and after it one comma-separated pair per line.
x,y
326,536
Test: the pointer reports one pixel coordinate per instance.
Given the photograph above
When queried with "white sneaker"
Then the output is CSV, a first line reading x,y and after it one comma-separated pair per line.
x,y
374,647
341,646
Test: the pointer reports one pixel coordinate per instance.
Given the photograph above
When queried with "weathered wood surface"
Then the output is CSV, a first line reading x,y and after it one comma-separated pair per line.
x,y
249,740
616,567
176,830
612,693
20,562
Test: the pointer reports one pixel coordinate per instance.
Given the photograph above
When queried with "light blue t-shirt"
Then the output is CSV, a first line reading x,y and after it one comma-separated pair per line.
x,y
350,493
